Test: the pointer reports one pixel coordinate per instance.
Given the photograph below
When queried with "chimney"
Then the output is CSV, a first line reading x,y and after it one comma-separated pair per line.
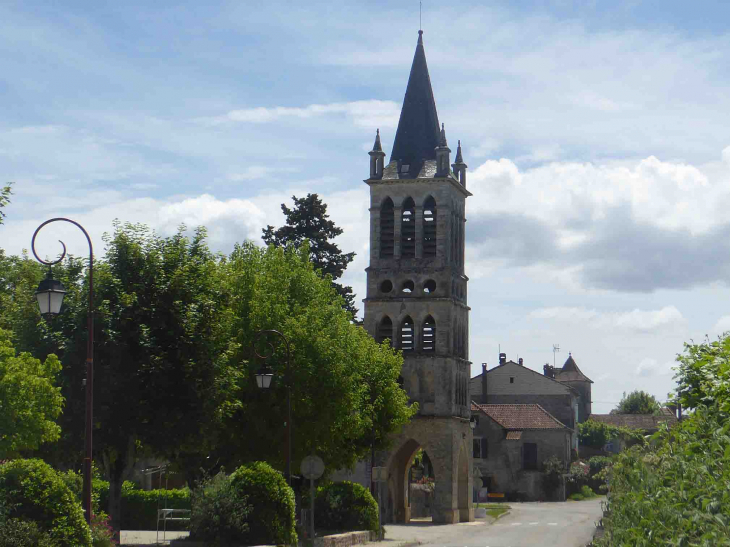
x,y
521,362
502,358
484,383
549,370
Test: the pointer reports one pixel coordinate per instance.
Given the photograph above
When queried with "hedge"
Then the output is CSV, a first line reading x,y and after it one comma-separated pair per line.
x,y
31,490
139,507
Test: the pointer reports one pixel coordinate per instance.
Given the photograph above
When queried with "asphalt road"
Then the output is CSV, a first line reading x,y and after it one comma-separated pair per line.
x,y
568,524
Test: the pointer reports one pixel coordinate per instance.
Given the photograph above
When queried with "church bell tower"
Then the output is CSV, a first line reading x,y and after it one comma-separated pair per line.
x,y
417,292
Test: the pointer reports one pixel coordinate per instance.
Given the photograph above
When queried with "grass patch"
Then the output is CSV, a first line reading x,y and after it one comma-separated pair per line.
x,y
493,509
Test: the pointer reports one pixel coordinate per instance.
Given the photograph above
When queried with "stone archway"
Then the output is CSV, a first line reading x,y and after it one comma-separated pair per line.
x,y
398,509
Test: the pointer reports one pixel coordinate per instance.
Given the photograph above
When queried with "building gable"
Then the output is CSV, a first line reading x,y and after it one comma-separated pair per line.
x,y
514,379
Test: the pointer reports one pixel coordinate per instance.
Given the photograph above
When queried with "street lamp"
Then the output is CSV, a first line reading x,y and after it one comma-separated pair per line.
x,y
50,298
265,375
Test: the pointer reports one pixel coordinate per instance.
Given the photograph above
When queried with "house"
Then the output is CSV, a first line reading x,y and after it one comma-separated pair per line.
x,y
511,442
565,393
648,423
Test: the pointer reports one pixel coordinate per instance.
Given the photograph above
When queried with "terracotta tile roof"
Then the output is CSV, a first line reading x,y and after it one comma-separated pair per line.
x,y
514,435
520,416
635,421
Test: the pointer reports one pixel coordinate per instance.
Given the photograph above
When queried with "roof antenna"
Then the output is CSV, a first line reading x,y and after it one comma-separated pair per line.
x,y
556,349
420,10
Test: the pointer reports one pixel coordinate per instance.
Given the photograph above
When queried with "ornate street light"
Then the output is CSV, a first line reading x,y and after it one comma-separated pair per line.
x,y
265,375
50,298
50,295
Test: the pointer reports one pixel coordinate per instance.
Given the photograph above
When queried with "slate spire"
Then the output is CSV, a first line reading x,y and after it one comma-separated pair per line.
x,y
418,128
377,147
459,158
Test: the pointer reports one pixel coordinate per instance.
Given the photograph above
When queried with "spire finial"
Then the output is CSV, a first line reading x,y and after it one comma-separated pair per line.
x,y
442,140
377,147
459,159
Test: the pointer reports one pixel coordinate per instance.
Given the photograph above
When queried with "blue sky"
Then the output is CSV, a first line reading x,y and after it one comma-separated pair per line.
x,y
595,132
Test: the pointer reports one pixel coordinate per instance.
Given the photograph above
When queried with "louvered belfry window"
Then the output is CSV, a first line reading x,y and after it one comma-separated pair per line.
x,y
428,335
408,229
406,334
429,228
387,229
385,330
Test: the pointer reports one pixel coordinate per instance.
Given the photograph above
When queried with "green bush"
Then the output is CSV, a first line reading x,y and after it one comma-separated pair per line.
x,y
23,533
597,463
587,492
253,506
345,506
576,497
32,491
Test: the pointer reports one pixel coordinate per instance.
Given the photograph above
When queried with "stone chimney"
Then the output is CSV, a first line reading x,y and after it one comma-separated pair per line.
x,y
549,370
484,383
502,358
521,362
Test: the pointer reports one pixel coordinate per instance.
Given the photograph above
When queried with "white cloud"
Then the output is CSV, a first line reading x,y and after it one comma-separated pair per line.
x,y
371,113
722,325
634,320
648,367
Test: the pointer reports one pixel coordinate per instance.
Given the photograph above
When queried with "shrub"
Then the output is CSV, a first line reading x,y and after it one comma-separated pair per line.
x,y
33,491
139,507
102,534
597,463
23,533
253,506
586,492
553,469
345,506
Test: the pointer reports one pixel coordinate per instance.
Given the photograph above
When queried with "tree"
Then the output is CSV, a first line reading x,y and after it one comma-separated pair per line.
x,y
703,375
335,367
637,402
30,401
5,192
308,220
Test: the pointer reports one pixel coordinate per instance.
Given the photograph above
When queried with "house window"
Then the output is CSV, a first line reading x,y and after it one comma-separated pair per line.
x,y
511,379
479,448
529,456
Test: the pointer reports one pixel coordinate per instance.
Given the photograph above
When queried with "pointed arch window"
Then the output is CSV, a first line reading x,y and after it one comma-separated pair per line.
x,y
385,330
387,229
429,228
406,334
408,229
428,335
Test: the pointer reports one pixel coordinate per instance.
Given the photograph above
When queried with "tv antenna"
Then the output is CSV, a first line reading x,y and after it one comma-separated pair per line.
x,y
556,349
420,11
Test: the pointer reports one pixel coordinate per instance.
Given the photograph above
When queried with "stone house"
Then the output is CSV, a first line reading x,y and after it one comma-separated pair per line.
x,y
511,443
565,393
648,423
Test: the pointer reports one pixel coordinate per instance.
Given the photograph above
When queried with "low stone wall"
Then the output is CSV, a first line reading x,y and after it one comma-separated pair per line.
x,y
337,540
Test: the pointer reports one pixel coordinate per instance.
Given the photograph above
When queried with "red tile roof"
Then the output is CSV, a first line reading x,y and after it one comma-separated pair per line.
x,y
647,422
520,416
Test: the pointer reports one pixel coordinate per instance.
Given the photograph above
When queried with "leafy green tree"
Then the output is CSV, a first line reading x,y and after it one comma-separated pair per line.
x,y
335,366
703,375
637,402
30,401
308,220
5,192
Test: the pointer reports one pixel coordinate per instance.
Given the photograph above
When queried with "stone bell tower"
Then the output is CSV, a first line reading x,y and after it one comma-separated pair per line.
x,y
417,294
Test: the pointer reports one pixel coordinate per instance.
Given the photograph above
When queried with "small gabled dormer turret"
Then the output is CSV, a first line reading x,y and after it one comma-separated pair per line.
x,y
442,155
376,158
459,166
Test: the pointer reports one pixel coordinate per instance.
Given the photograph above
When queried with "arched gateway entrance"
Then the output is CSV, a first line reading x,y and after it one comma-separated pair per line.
x,y
448,456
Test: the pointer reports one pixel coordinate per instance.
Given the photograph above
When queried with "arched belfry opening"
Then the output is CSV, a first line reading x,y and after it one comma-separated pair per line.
x,y
416,297
385,330
408,229
387,229
428,335
407,338
429,228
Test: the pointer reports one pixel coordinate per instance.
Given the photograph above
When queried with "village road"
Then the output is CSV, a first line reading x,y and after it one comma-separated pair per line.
x,y
568,524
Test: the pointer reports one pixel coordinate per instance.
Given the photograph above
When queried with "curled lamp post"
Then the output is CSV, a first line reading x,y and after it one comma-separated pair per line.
x,y
265,375
50,297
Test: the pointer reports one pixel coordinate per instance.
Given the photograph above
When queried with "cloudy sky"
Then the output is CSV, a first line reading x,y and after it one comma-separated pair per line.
x,y
595,132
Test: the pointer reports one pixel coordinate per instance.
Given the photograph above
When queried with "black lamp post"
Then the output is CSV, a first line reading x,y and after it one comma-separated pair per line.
x,y
265,375
50,298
